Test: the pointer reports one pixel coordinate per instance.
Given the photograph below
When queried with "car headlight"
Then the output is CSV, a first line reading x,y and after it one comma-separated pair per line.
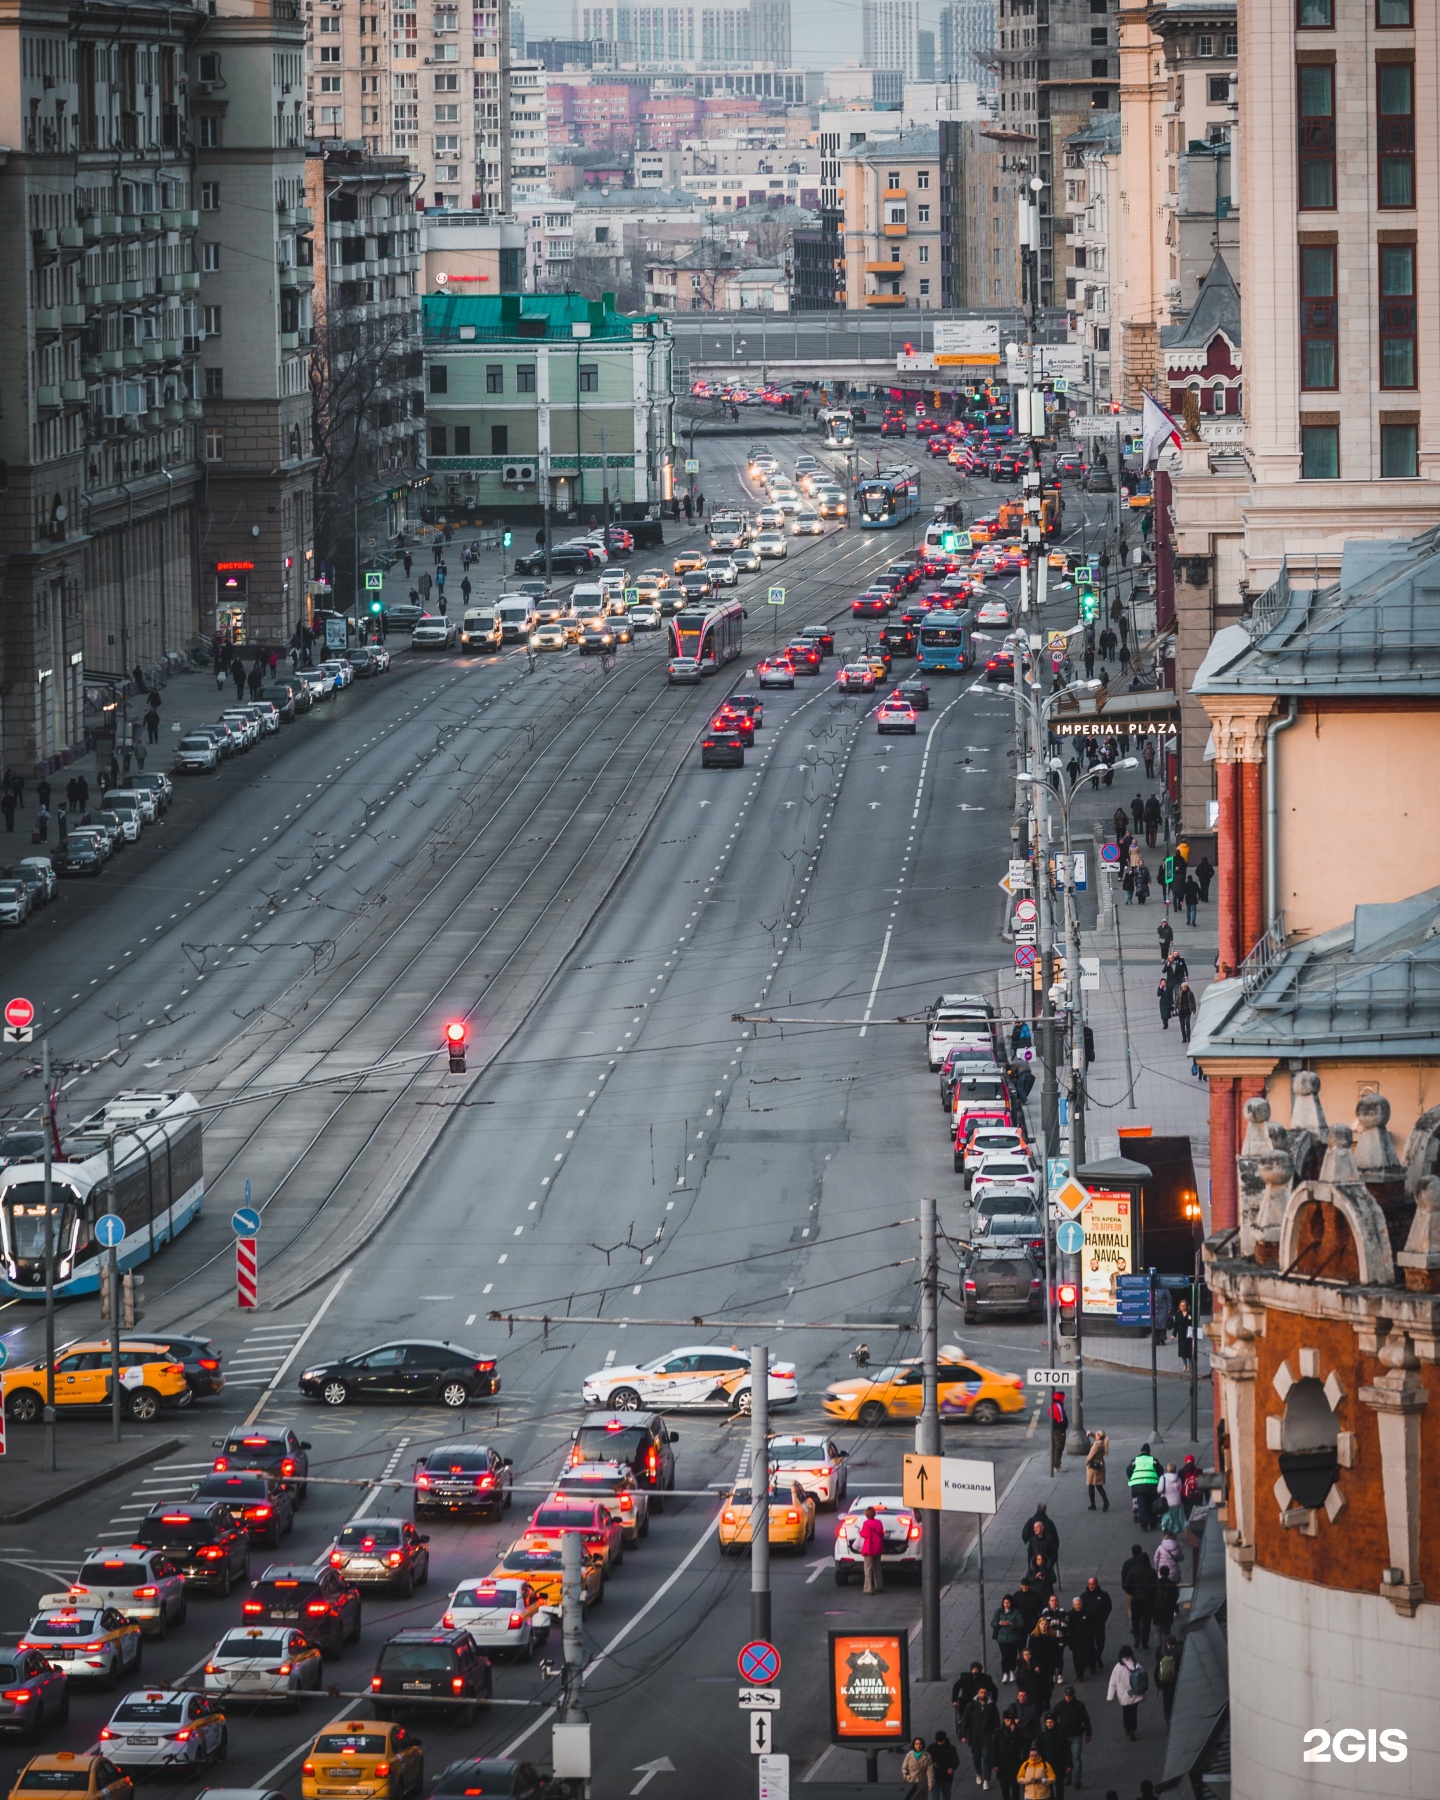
x,y
312,1375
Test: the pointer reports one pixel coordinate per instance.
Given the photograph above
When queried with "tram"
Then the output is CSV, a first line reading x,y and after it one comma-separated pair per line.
x,y
707,636
889,498
839,426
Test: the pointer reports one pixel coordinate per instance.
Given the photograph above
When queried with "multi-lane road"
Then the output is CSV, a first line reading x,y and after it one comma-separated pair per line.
x,y
540,853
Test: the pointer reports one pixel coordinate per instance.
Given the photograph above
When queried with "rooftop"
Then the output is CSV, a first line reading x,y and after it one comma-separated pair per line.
x,y
908,146
1216,308
498,318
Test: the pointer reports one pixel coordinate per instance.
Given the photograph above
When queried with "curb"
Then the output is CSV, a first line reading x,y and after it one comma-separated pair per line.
x,y
87,1482
1101,1362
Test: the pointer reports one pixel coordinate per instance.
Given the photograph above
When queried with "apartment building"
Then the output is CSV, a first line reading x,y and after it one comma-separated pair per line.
x,y
429,82
650,35
100,428
529,131
890,36
1092,168
895,197
966,28
549,245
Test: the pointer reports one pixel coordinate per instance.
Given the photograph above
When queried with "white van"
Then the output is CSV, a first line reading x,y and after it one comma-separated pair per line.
x,y
590,602
480,629
517,617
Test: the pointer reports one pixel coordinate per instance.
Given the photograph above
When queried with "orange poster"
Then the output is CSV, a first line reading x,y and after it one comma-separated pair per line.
x,y
869,1688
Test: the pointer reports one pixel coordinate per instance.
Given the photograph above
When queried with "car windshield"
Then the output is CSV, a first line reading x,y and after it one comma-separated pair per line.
x,y
233,1487
250,1643
144,1712
63,1625
369,1537
417,1656
458,1462
561,1518
606,1444
74,1779
358,1743
524,1562
113,1574
797,1453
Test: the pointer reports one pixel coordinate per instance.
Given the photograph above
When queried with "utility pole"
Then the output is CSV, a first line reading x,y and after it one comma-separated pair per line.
x,y
927,1438
605,486
572,1613
113,1258
545,508
760,1492
1017,689
50,1462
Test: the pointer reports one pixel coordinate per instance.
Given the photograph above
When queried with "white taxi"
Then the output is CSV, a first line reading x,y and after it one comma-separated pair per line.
x,y
815,1462
87,1643
264,1662
695,1376
143,1584
901,1555
166,1728
500,1612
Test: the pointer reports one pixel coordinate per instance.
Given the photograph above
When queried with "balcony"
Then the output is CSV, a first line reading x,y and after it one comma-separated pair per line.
x,y
187,219
886,300
72,315
892,266
895,193
47,318
898,230
47,394
72,390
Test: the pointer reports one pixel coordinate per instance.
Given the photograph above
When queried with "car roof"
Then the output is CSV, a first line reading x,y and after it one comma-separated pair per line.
x,y
617,1420
294,1572
589,1470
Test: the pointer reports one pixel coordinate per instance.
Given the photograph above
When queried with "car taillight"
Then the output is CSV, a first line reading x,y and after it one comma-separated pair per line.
x,y
222,1463
146,1593
284,1669
448,1621
382,1769
20,1695
212,1668
209,1362
287,1467
375,1683
1016,1382
487,1481
172,1369
213,1552
395,1558
336,1558
182,1737
727,1516
422,1481
307,1768
626,1503
315,1608
969,1284
792,1517
259,1512
99,1646
485,1368
457,1684
252,1607
516,1621
914,1533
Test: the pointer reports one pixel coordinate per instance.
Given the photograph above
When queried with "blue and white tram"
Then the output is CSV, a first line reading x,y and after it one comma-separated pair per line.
x,y
708,636
888,498
159,1187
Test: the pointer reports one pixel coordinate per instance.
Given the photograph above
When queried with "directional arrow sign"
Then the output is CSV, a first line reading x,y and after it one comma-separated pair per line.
x,y
245,1222
110,1230
1071,1237
949,1483
762,1734
662,1765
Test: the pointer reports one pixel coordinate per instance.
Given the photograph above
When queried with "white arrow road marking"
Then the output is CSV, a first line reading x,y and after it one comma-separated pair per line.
x,y
704,802
962,807
662,1765
817,1569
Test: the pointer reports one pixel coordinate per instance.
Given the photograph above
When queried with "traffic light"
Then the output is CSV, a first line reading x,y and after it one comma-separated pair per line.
x,y
1089,605
457,1035
105,1289
130,1314
507,539
377,606
1068,1297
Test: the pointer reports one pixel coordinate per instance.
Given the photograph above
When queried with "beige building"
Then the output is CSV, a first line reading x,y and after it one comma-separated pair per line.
x,y
892,233
1092,162
529,132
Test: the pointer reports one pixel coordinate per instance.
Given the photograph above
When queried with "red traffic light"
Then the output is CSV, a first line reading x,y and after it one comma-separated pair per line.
x,y
456,1032
1067,1293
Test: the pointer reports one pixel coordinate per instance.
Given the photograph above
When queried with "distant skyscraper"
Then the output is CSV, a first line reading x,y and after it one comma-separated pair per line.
x,y
517,29
925,56
770,32
966,26
890,35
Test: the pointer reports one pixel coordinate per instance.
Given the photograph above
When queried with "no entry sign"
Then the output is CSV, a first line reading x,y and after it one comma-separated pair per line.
x,y
19,1013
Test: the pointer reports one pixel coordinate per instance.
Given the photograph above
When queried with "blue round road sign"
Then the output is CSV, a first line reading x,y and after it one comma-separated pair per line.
x,y
245,1222
759,1663
1071,1237
4,1354
110,1230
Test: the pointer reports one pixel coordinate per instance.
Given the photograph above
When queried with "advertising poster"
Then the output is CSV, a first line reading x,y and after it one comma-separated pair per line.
x,y
869,1688
1109,1222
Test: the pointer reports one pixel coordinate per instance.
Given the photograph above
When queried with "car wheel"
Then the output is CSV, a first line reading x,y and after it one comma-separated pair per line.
x,y
139,1653
112,1676
985,1412
23,1406
842,1575
62,1717
162,1627
424,1580
624,1399
972,1318
225,1582
406,1587
871,1413
644,1528
222,1749
959,1162
454,1394
183,1609
334,1393
352,1636
741,1403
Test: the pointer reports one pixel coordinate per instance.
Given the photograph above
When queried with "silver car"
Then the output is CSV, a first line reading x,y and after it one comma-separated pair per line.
x,y
14,903
264,1662
196,754
166,1728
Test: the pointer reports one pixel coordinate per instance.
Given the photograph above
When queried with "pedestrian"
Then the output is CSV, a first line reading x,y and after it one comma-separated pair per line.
x,y
1108,643
257,681
1142,1475
1029,1708
1167,1673
1120,821
1036,1778
1168,1555
152,725
1089,660
274,662
449,531
220,674
7,806
1185,1009
1184,1349
1053,1744
1095,1456
1028,1600
440,578
1148,752
1165,932
966,1687
1137,1579
115,766
1172,1513
944,1761
405,562
978,1725
700,505
1190,893
917,1770
1046,1653
1152,820
1167,1602
1010,1751
1129,1684
465,589
872,1549
1167,1002
1039,1532
1080,1639
237,675
1009,1630
1137,813
1127,884
42,825
424,584
1122,623
438,549
1059,1429
1204,875
688,503
1098,1607
139,753
1142,883
82,789
153,698
1073,1718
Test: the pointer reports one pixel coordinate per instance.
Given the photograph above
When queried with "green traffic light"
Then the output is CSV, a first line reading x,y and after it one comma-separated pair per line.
x,y
508,539
377,606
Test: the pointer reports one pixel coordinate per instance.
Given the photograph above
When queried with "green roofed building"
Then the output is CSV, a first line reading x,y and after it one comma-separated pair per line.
x,y
525,388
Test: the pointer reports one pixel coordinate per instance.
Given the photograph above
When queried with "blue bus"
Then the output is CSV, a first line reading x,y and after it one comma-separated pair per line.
x,y
888,498
946,641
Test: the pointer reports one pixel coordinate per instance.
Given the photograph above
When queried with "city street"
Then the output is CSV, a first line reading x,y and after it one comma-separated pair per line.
x,y
538,851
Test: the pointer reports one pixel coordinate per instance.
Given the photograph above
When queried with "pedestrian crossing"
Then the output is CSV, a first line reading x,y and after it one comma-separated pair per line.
x,y
166,1481
262,1355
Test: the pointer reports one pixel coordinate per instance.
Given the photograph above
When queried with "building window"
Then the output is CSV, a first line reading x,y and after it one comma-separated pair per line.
x,y
1319,332
1399,451
439,378
209,65
209,126
211,315
1099,36
1218,88
494,378
209,196
1317,137
1319,452
1316,15
1205,46
462,440
589,378
329,84
214,384
1099,68
209,258
524,378
499,440
329,53
1395,83
922,180
892,179
1394,12
924,286
438,440
924,253
447,84
1397,315
214,443
1230,44
922,215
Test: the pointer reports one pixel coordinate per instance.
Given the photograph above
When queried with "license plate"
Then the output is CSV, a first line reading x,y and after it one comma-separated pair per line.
x,y
365,1562
142,1740
418,1687
292,1612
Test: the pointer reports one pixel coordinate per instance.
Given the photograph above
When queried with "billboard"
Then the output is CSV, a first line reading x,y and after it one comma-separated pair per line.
x,y
1051,362
966,341
1109,1221
869,1688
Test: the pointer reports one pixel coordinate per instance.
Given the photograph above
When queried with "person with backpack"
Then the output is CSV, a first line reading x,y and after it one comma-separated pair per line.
x,y
1059,1429
1129,1684
1189,1472
1142,1476
1167,1673
1036,1779
1167,1602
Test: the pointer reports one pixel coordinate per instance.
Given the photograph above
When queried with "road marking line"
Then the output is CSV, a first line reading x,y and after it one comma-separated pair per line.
x,y
298,1346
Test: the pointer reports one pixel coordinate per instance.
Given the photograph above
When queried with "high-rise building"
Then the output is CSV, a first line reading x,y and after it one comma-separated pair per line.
x,y
966,26
890,35
770,32
517,29
897,196
529,131
409,81
925,57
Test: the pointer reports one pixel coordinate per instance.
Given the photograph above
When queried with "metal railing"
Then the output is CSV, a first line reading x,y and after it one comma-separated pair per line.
x,y
1264,958
1269,607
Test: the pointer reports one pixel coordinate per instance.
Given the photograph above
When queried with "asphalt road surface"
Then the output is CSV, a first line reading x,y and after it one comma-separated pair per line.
x,y
541,853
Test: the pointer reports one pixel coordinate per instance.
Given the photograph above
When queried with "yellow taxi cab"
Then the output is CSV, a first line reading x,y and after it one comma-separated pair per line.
x,y
968,1390
363,1759
879,666
688,560
981,532
541,1568
149,1380
66,1775
791,1517
1059,559
649,584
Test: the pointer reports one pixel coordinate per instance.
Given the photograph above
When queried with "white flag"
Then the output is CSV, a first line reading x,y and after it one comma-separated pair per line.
x,y
1156,428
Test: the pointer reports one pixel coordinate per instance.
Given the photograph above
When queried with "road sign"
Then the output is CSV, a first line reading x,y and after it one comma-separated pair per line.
x,y
1090,973
949,1483
759,1699
759,1663
1110,853
775,1777
1025,956
762,1734
692,465
374,580
18,1034
1050,1378
1025,934
1060,385
1082,572
1026,912
1071,1237
776,596
247,1277
245,1222
1056,1169
19,1013
110,1231
1018,872
631,596
1070,1197
4,1355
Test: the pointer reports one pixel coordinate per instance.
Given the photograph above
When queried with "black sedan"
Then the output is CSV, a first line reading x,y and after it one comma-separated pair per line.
x,y
596,640
315,1600
266,1505
76,856
418,1369
462,1478
493,1775
916,692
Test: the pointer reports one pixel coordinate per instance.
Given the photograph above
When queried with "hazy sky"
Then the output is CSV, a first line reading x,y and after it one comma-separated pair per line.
x,y
825,33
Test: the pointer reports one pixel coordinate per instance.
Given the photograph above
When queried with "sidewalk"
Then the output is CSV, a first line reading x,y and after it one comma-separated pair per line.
x,y
87,1458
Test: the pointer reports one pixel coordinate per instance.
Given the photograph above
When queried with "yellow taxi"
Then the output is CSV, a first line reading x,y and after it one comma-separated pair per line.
x,y
649,584
791,1517
968,1390
879,666
688,560
541,1568
149,1380
1059,559
66,1775
363,1759
981,531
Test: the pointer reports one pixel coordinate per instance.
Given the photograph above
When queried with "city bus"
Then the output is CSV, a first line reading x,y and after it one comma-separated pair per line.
x,y
839,427
889,498
156,1144
707,637
946,641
